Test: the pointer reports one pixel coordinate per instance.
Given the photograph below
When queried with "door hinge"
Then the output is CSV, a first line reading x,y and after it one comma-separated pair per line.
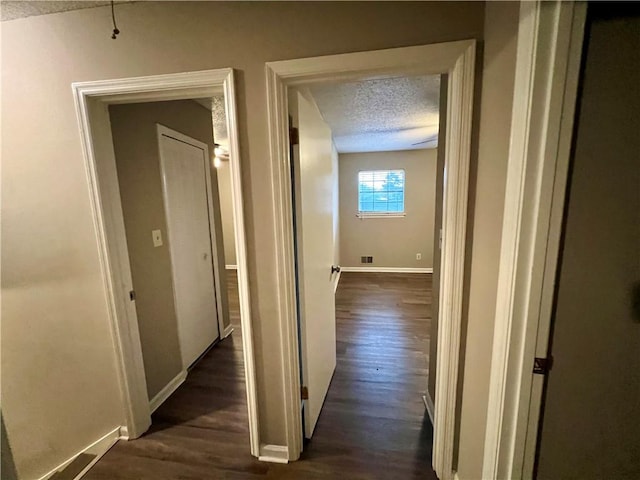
x,y
132,295
304,393
294,136
541,366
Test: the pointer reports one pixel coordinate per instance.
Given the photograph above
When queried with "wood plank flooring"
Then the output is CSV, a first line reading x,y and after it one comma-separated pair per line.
x,y
373,424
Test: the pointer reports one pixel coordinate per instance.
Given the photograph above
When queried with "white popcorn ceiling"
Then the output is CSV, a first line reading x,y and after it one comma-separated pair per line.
x,y
11,10
220,135
383,114
218,113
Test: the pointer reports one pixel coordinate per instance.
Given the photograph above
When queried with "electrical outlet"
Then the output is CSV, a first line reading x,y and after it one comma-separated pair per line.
x,y
418,256
157,238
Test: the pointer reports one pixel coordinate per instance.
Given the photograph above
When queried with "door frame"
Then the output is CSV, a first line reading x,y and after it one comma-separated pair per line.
x,y
457,59
549,53
92,100
161,131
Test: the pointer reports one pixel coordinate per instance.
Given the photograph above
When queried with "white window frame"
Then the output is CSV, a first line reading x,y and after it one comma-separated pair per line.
x,y
388,214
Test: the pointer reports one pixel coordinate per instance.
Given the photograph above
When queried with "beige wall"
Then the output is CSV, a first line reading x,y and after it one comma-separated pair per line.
x,y
226,213
486,207
224,182
138,162
57,352
392,242
437,226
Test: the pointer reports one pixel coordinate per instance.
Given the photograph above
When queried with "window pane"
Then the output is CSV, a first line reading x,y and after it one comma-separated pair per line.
x,y
396,196
381,191
366,197
380,197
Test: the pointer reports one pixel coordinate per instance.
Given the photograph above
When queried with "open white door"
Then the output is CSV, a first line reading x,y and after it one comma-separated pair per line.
x,y
187,198
314,184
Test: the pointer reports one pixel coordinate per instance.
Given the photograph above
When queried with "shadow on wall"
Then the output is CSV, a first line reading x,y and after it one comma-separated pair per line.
x,y
8,468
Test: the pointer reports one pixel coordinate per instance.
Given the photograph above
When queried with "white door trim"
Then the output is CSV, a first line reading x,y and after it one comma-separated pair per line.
x,y
162,130
550,38
456,59
92,100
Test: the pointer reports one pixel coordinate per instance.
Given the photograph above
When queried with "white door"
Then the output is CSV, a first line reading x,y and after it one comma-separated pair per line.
x,y
187,200
314,183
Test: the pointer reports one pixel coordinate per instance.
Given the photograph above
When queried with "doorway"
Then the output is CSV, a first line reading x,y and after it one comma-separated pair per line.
x,y
92,101
171,213
457,60
364,167
594,339
190,212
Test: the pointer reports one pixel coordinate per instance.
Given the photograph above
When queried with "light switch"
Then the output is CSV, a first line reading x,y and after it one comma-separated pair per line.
x,y
157,238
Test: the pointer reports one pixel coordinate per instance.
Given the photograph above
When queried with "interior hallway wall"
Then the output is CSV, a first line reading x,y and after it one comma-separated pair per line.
x,y
57,352
394,241
486,211
217,110
437,228
226,214
135,140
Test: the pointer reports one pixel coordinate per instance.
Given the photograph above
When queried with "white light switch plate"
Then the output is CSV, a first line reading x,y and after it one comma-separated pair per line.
x,y
157,238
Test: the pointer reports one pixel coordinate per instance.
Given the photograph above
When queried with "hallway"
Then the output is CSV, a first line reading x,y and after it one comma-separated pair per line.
x,y
373,424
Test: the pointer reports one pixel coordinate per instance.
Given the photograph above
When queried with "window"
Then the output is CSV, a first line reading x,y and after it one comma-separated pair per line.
x,y
381,192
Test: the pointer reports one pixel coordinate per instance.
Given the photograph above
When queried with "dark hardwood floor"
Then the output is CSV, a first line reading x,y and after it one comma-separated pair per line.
x,y
373,424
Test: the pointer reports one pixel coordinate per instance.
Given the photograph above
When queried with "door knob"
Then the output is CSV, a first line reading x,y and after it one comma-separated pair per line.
x,y
335,269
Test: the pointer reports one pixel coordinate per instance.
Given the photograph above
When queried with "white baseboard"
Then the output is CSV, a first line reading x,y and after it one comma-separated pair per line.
x,y
228,330
231,267
428,403
97,448
274,453
455,476
336,281
168,389
124,433
387,269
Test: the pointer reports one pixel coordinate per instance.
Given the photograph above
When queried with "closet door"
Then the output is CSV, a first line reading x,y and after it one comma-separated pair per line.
x,y
186,188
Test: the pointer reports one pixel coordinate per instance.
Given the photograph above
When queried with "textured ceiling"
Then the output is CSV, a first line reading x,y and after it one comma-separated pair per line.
x,y
218,113
381,115
10,10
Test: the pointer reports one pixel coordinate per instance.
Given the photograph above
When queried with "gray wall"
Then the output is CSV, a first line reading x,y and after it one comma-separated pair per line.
x,y
57,352
437,226
226,213
392,242
138,162
485,229
219,117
